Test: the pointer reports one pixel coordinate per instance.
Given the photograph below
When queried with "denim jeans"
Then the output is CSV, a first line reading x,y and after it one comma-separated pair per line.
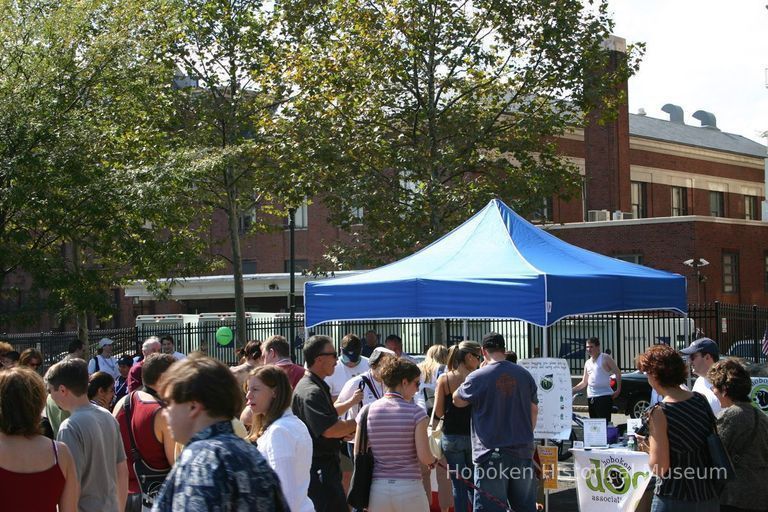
x,y
458,454
667,504
508,479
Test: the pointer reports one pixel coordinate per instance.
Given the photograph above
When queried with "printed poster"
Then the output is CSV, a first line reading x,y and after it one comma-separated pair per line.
x,y
548,461
610,480
553,380
759,394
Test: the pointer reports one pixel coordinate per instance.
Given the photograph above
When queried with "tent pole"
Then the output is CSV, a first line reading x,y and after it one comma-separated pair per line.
x,y
465,329
545,353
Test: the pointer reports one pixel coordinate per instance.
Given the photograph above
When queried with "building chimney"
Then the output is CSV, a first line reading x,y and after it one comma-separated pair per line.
x,y
707,119
606,145
675,113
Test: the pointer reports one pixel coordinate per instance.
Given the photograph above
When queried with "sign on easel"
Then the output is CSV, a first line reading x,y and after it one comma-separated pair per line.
x,y
548,461
553,380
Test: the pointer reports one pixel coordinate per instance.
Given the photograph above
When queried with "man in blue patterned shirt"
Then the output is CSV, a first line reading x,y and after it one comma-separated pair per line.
x,y
217,471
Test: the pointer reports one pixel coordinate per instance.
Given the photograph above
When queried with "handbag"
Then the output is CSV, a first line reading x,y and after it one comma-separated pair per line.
x,y
150,479
722,470
435,435
362,473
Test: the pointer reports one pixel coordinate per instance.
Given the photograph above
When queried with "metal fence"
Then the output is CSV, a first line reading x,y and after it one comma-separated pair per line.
x,y
738,329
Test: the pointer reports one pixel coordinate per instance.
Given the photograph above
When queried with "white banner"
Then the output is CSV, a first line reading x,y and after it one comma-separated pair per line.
x,y
610,480
553,379
759,394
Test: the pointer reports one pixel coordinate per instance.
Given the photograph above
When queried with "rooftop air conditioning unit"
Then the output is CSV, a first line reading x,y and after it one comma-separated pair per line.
x,y
619,215
598,215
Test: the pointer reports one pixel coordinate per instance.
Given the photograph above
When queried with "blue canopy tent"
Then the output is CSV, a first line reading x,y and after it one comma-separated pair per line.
x,y
495,265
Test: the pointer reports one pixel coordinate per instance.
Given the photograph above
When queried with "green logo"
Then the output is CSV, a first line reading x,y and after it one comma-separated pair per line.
x,y
759,396
616,477
547,382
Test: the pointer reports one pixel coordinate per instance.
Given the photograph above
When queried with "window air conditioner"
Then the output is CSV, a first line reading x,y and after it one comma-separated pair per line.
x,y
598,215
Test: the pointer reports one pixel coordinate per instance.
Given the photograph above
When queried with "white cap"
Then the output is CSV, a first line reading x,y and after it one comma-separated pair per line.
x,y
105,341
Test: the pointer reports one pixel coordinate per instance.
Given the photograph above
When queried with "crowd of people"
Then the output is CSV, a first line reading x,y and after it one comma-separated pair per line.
x,y
171,432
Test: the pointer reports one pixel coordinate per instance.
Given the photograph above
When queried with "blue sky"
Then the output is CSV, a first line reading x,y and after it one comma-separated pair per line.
x,y
702,55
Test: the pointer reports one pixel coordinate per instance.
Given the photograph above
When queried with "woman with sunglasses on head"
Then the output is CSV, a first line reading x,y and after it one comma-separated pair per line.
x,y
279,435
397,436
463,359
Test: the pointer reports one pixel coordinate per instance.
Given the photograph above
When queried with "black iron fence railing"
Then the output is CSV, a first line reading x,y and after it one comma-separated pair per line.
x,y
738,329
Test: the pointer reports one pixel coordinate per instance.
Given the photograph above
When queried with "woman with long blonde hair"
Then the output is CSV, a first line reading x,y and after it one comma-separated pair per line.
x,y
432,367
280,436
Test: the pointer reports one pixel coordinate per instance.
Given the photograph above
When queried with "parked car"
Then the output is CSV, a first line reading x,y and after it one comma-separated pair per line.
x,y
635,396
745,349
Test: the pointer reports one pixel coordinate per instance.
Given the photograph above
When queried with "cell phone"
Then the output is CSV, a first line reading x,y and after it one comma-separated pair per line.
x,y
361,385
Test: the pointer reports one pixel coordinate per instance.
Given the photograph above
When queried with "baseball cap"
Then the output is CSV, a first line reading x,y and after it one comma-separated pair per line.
x,y
494,340
378,352
125,361
704,345
104,342
351,347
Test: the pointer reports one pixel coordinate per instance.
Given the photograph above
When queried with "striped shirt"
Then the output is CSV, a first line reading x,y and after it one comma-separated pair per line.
x,y
391,425
688,424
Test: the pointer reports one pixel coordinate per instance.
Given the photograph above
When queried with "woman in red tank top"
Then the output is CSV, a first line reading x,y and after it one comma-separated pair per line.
x,y
150,429
36,474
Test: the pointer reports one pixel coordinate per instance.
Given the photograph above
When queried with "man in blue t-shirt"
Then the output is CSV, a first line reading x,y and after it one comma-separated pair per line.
x,y
504,410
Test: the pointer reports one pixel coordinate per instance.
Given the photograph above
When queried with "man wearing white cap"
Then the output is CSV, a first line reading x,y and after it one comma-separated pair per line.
x,y
103,360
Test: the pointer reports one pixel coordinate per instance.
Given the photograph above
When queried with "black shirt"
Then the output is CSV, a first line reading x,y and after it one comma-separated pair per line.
x,y
312,404
368,350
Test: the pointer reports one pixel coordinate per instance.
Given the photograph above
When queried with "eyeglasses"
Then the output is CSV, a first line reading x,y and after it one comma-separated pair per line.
x,y
478,356
334,354
34,365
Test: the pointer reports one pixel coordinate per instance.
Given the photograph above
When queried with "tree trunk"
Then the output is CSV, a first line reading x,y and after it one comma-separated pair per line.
x,y
237,263
82,316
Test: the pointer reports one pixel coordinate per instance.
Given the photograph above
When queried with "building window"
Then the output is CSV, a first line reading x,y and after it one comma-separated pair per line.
x,y
357,215
750,208
730,272
298,265
637,259
679,201
249,266
639,200
717,204
544,213
245,221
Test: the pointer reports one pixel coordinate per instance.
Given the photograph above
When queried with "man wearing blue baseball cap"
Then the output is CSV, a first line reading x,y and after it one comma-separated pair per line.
x,y
702,354
350,364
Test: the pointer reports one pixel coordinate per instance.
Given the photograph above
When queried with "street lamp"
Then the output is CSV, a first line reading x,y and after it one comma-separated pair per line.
x,y
292,287
696,264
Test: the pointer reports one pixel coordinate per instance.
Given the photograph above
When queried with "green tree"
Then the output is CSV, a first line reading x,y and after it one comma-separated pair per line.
x,y
435,106
85,112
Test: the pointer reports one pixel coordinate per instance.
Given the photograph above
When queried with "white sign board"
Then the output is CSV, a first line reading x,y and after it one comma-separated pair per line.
x,y
553,380
610,480
759,394
595,432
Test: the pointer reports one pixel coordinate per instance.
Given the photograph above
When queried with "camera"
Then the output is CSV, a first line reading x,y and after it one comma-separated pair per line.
x,y
643,429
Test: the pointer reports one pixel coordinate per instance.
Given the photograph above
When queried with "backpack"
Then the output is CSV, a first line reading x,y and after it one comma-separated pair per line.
x,y
96,361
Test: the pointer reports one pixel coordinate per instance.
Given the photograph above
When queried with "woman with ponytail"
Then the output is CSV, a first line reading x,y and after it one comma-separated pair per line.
x,y
463,358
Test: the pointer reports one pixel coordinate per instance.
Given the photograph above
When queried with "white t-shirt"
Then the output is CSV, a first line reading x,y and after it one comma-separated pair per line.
x,y
106,365
343,373
287,446
703,386
369,396
179,356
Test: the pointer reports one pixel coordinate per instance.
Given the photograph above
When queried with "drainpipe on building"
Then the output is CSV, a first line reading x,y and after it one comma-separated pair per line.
x,y
764,217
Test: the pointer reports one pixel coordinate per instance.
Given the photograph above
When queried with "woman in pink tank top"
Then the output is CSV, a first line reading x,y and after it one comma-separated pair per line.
x,y
36,473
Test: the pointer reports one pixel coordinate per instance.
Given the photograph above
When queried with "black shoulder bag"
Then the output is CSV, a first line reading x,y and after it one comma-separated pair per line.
x,y
721,466
362,474
150,479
